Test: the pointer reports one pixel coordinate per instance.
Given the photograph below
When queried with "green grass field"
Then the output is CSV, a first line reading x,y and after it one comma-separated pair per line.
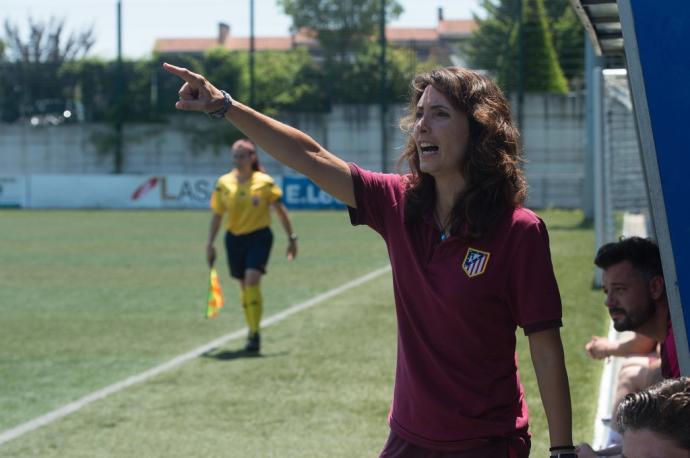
x,y
90,298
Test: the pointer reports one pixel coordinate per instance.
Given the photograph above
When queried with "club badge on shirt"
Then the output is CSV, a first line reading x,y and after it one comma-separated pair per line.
x,y
475,262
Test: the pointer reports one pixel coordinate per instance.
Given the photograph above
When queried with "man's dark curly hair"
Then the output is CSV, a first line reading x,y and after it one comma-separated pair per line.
x,y
642,253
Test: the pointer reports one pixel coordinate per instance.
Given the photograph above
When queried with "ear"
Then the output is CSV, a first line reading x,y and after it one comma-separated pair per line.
x,y
657,287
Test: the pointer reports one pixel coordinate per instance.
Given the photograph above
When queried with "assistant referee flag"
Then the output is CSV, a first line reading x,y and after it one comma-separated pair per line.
x,y
215,295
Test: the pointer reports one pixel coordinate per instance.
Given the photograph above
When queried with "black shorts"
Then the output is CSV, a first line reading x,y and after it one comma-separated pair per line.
x,y
248,251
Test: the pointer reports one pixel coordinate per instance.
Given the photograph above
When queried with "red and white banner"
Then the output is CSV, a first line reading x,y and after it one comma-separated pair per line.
x,y
108,191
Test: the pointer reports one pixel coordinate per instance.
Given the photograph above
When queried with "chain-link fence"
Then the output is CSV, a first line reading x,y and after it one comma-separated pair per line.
x,y
623,181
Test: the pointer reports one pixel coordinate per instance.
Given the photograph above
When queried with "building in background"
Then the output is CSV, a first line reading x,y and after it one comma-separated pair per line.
x,y
440,43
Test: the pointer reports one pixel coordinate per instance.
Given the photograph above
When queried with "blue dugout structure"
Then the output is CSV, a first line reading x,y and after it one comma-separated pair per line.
x,y
655,37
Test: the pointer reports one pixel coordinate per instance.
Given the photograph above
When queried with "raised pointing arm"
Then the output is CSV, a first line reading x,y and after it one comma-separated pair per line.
x,y
286,144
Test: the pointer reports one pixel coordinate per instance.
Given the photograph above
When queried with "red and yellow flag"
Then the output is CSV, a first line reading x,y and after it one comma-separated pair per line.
x,y
216,301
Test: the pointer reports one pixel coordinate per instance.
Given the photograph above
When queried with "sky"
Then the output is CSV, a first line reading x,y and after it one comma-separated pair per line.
x,y
145,20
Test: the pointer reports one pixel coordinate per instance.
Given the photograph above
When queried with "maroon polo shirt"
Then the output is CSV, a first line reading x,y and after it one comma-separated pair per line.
x,y
458,306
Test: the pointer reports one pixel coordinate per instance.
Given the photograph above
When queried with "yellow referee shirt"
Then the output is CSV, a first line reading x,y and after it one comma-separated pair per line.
x,y
246,204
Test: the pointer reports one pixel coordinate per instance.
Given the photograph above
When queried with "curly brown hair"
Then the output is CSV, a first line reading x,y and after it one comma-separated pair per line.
x,y
491,164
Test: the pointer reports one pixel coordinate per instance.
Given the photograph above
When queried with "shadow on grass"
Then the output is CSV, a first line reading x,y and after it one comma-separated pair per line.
x,y
229,355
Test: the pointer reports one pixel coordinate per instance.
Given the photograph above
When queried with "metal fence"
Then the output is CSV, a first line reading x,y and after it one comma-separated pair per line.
x,y
623,188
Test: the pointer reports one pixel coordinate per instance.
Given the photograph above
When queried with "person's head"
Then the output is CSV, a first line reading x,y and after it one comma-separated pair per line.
x,y
244,155
632,281
656,422
460,127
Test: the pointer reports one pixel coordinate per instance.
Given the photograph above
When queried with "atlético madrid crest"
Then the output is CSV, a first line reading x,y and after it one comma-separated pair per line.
x,y
475,262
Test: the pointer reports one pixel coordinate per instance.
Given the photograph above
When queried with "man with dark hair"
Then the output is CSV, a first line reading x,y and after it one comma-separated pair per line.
x,y
642,253
633,283
656,422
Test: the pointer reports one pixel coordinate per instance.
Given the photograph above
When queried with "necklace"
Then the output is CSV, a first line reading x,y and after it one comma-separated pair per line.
x,y
445,230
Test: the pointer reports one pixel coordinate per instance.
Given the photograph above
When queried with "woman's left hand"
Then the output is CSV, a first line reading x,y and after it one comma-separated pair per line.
x,y
197,93
292,250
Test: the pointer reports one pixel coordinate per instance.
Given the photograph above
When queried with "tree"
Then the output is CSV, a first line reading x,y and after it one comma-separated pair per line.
x,y
542,71
344,30
568,39
46,42
356,84
284,80
223,68
488,47
341,27
35,61
287,81
495,46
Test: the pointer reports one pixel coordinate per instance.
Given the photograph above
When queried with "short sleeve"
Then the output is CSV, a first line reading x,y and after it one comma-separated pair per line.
x,y
378,197
274,193
535,301
217,203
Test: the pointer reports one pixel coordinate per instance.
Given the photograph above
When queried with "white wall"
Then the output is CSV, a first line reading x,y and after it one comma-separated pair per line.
x,y
554,139
553,135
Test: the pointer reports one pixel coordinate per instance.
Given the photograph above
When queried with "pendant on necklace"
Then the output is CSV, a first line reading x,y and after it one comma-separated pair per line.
x,y
442,227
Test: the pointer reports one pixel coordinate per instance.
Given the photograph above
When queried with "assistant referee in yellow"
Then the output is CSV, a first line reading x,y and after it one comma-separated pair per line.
x,y
245,195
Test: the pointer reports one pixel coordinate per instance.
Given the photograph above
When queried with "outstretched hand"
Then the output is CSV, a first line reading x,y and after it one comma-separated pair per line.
x,y
197,93
598,347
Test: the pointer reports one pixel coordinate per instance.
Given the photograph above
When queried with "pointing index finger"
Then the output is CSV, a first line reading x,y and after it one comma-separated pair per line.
x,y
181,72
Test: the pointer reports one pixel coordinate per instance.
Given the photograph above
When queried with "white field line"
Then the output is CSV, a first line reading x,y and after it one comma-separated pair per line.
x,y
72,407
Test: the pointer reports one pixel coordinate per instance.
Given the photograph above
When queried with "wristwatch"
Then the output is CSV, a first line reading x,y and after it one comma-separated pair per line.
x,y
227,103
292,237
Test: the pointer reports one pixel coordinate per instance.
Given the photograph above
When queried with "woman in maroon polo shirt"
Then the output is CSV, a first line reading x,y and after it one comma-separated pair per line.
x,y
470,264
